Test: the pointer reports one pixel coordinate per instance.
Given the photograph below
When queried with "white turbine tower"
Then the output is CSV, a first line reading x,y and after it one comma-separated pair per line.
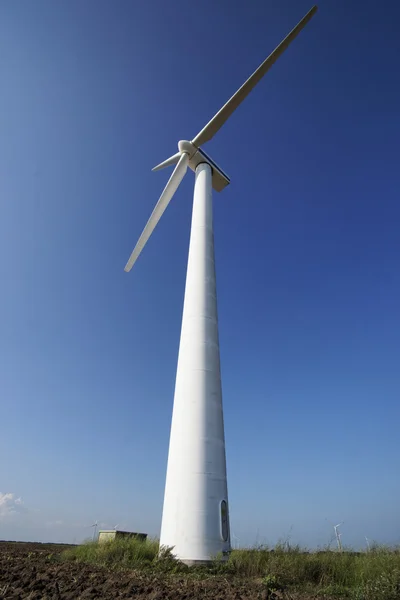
x,y
195,520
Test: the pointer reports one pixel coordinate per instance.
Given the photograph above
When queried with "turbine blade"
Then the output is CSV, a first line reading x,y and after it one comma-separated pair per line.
x,y
225,112
165,198
172,160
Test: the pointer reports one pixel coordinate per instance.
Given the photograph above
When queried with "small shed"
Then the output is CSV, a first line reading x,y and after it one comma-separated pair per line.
x,y
108,535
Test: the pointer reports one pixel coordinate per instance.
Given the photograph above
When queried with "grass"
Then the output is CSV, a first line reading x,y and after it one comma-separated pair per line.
x,y
123,553
373,575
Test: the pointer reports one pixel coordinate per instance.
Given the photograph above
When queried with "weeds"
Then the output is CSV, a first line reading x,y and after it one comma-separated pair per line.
x,y
372,575
126,553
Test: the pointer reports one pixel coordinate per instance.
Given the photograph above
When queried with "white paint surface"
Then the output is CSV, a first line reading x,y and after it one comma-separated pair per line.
x,y
196,474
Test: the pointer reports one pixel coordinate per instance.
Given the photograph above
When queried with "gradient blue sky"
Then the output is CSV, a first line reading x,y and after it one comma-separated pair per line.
x,y
93,95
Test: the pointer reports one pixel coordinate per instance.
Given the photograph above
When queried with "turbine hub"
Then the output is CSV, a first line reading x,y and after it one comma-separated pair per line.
x,y
187,147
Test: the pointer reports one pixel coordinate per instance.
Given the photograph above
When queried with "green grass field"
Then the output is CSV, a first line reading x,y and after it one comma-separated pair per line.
x,y
373,575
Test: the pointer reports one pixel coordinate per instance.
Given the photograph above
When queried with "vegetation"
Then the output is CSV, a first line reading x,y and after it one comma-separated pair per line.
x,y
373,575
124,553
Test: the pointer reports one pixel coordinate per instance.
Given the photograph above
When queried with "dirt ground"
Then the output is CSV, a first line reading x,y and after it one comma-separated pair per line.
x,y
32,571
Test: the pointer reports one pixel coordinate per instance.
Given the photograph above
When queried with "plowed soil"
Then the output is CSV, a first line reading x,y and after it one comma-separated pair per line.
x,y
35,572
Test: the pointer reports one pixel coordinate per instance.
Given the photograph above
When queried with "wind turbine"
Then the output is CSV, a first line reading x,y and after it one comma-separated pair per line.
x,y
195,520
236,540
94,530
338,535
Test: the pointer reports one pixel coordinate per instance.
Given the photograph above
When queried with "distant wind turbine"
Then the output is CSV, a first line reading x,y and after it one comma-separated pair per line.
x,y
94,530
236,540
338,535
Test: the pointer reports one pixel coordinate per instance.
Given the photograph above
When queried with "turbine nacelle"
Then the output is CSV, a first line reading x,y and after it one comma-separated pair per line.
x,y
196,156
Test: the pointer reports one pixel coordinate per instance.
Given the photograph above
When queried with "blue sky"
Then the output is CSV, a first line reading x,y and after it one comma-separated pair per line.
x,y
94,94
